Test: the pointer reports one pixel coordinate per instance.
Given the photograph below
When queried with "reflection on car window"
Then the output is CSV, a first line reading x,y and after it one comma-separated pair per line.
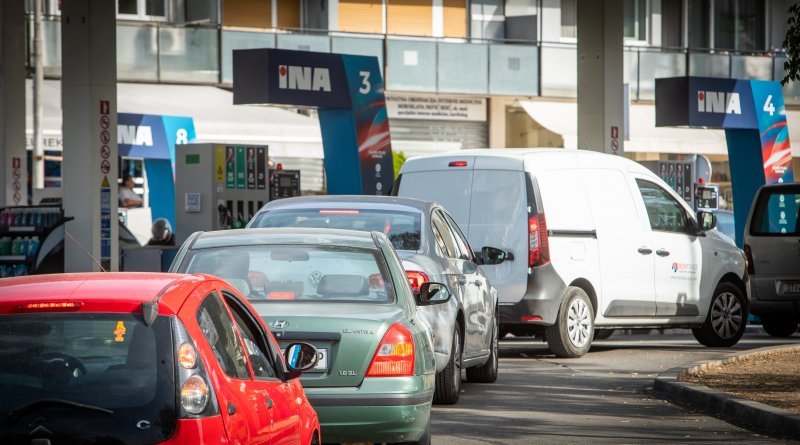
x,y
664,212
299,272
257,350
401,227
443,232
777,213
218,330
463,246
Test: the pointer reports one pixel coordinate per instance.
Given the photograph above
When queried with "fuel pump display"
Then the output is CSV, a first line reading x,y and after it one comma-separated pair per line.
x,y
218,186
283,183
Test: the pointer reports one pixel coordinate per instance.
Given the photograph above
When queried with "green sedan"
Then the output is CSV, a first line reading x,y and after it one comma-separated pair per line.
x,y
346,293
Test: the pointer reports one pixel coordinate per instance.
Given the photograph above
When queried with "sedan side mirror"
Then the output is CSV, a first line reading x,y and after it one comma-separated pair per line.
x,y
300,357
432,293
706,220
493,255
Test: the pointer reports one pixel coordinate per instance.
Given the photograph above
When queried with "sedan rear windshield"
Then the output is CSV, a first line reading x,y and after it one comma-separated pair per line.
x,y
402,228
298,272
777,213
92,377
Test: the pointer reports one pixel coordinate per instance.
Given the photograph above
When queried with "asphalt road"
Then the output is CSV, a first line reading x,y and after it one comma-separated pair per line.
x,y
603,397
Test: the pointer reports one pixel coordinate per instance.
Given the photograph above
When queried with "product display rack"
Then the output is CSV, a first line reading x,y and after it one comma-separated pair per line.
x,y
23,230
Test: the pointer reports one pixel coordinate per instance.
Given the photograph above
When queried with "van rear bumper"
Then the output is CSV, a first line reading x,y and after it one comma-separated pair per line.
x,y
766,300
543,298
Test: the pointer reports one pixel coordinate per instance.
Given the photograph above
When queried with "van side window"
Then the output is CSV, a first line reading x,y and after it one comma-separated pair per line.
x,y
465,253
441,231
665,212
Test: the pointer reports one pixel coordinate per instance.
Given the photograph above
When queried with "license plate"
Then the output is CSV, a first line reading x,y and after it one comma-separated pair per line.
x,y
322,360
790,288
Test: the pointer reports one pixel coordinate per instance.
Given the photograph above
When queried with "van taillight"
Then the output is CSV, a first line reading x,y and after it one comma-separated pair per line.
x,y
748,259
457,164
538,245
416,279
395,354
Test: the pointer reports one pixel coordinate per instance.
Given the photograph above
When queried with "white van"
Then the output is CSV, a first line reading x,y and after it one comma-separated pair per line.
x,y
595,241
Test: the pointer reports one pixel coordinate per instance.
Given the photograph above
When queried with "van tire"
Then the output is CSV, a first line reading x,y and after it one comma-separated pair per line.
x,y
729,307
779,327
448,381
576,308
487,372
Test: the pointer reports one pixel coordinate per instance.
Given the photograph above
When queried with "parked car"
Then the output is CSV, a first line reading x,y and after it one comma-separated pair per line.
x,y
142,359
346,293
432,248
617,248
772,246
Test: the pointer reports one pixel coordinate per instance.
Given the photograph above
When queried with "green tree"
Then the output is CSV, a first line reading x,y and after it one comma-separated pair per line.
x,y
791,43
398,158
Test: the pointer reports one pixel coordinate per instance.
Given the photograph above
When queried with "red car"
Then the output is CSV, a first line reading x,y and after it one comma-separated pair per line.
x,y
113,358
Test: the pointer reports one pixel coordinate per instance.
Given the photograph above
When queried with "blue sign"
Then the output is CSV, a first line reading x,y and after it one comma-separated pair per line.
x,y
349,92
151,136
753,115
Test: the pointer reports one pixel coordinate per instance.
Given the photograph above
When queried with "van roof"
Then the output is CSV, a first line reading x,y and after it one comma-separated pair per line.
x,y
518,158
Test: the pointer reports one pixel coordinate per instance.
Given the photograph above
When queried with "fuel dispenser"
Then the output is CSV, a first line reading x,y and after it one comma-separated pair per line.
x,y
218,186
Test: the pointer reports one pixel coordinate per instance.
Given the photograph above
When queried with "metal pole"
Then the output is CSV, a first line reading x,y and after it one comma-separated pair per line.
x,y
38,81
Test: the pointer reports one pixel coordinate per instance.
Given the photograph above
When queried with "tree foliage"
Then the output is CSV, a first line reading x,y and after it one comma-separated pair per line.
x,y
398,158
791,43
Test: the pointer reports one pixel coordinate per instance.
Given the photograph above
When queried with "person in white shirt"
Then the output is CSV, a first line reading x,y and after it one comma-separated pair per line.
x,y
127,197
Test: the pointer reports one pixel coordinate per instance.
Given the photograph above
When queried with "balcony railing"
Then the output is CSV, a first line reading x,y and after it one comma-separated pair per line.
x,y
157,52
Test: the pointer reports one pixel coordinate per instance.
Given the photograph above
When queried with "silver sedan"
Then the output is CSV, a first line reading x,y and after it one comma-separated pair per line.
x,y
432,248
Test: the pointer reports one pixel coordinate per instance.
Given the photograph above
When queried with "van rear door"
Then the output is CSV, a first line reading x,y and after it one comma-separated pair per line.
x,y
443,179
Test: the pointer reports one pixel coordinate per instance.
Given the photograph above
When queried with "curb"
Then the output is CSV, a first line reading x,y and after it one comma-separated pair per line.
x,y
753,415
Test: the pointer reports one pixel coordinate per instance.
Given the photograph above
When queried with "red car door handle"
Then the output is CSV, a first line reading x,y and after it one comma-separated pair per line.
x,y
269,403
231,409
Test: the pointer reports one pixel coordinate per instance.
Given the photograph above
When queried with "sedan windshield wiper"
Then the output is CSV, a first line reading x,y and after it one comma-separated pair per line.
x,y
17,412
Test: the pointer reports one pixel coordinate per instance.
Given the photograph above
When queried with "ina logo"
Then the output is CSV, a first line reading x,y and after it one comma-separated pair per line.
x,y
304,78
718,102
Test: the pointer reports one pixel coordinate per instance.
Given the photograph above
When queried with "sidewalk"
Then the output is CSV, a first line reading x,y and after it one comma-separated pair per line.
x,y
752,415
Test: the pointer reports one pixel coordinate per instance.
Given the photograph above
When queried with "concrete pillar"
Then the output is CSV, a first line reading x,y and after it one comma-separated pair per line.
x,y
600,92
89,107
13,160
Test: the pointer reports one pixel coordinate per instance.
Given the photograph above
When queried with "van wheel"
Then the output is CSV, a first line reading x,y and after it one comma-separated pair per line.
x,y
726,319
779,327
448,381
487,373
571,335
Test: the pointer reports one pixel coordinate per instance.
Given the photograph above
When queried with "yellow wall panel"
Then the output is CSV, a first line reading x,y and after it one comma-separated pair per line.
x,y
455,18
288,13
247,13
361,16
409,17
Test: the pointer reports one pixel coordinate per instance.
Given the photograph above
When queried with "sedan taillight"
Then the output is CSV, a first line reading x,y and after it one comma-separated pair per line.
x,y
395,354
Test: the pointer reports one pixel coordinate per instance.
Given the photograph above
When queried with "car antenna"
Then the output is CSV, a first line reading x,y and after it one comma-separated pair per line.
x,y
85,251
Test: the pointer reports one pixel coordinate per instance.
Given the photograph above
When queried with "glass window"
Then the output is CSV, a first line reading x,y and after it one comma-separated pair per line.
x,y
67,356
739,24
635,20
664,212
142,9
569,18
298,273
699,22
777,213
461,240
402,227
257,347
218,330
440,226
671,23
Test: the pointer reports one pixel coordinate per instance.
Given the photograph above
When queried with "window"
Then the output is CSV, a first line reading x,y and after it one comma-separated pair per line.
x,y
635,20
569,18
218,330
777,213
442,231
699,21
142,9
257,348
298,272
664,211
461,240
739,24
671,23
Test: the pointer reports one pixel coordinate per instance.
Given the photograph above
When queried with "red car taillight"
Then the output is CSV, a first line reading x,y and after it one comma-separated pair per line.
x,y
538,243
748,257
416,279
194,388
395,354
